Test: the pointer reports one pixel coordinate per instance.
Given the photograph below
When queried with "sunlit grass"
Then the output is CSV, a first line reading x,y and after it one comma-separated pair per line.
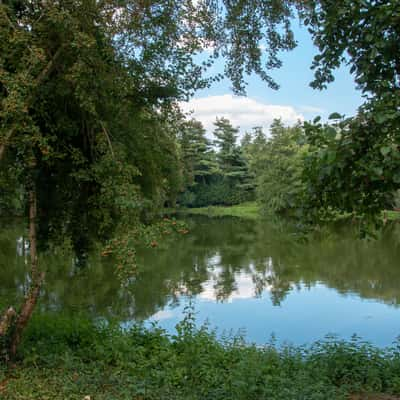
x,y
248,210
252,210
393,215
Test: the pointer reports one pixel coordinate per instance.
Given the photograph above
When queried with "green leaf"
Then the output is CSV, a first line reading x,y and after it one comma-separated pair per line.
x,y
385,150
331,156
396,178
335,115
380,118
378,171
317,119
331,131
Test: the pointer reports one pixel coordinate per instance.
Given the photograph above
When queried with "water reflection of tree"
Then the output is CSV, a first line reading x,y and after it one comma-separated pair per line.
x,y
277,262
338,260
13,271
217,252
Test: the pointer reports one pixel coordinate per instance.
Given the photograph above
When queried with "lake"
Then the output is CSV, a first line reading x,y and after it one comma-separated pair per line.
x,y
239,275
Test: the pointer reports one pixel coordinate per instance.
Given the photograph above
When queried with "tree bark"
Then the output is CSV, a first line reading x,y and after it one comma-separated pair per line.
x,y
2,148
6,321
37,277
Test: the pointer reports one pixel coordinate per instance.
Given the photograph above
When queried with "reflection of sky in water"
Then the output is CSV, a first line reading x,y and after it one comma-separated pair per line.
x,y
241,276
305,315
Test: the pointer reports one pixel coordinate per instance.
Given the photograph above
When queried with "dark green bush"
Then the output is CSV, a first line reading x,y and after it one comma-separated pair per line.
x,y
218,192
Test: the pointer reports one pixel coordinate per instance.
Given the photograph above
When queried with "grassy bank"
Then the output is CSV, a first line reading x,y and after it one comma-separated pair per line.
x,y
71,358
392,215
249,210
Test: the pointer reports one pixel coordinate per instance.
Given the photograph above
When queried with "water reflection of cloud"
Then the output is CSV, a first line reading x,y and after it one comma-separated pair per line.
x,y
162,315
245,287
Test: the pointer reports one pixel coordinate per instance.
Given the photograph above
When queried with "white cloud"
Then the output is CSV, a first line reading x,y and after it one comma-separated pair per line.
x,y
241,111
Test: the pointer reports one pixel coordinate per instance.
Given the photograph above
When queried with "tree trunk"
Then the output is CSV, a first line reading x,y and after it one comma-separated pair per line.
x,y
36,281
6,321
2,149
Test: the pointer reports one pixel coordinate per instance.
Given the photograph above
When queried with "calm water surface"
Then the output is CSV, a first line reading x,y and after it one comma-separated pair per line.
x,y
240,275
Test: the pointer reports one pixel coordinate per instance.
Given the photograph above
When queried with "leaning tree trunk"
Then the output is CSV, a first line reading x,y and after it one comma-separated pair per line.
x,y
13,325
6,321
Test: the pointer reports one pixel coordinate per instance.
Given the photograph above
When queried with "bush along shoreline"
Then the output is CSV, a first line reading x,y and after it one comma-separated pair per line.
x,y
74,358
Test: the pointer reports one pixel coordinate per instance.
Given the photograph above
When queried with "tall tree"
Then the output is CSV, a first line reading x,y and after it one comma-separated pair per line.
x,y
225,140
197,155
253,145
231,159
279,169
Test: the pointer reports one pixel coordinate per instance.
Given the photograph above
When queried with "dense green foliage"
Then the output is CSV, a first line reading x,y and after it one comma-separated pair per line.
x,y
90,124
351,168
72,358
269,167
354,165
279,165
216,175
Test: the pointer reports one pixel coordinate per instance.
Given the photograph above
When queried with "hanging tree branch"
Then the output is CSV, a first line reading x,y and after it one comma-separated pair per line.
x,y
38,80
108,138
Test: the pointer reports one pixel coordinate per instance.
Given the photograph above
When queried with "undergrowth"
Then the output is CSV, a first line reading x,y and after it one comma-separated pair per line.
x,y
70,358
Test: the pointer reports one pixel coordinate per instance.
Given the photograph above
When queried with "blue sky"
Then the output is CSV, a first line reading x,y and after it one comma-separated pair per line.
x,y
294,100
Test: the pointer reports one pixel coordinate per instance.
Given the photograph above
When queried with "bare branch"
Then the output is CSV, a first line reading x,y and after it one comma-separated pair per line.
x,y
2,150
4,144
108,138
47,69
